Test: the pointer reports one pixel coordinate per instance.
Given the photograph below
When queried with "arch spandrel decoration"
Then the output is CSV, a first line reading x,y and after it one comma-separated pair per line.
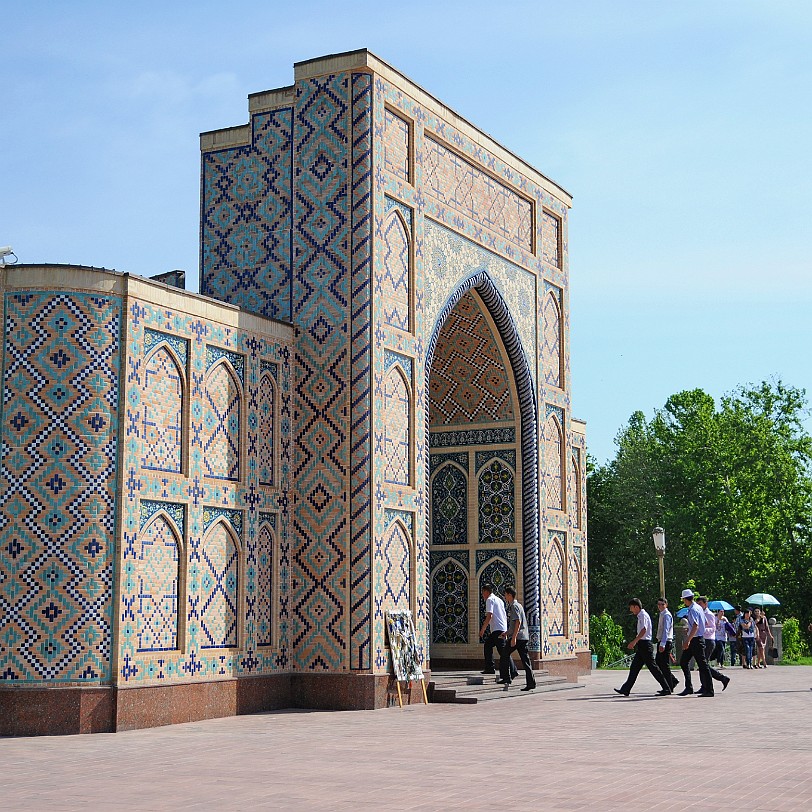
x,y
162,396
492,299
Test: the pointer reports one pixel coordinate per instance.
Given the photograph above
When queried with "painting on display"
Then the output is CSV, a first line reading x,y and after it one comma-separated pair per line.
x,y
403,645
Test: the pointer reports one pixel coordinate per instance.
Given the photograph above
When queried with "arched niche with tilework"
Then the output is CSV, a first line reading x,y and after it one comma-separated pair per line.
x,y
554,463
398,431
159,573
267,431
222,422
163,399
557,602
221,592
489,295
398,557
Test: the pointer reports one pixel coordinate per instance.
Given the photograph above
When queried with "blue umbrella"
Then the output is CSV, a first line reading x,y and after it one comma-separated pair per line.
x,y
682,612
714,605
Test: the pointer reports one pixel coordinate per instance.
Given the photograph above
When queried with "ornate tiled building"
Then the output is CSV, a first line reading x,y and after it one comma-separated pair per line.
x,y
210,501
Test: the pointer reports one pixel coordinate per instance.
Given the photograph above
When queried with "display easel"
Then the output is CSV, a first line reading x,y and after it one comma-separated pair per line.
x,y
403,648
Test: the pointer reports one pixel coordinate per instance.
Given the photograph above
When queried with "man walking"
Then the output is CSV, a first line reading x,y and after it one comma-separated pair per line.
x,y
494,628
710,640
665,642
643,652
694,646
518,639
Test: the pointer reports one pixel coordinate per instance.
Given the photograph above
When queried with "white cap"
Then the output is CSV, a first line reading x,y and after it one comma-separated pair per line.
x,y
686,593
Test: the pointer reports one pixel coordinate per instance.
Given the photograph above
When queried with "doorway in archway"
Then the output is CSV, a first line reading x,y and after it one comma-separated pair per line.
x,y
475,478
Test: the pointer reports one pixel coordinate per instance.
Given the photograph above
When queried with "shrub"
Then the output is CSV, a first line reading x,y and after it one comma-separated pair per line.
x,y
793,643
605,638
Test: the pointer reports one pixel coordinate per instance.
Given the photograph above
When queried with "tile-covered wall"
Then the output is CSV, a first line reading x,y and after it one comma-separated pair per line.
x,y
58,474
205,548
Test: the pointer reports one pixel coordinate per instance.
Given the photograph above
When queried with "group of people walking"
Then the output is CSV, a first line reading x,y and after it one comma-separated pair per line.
x,y
709,636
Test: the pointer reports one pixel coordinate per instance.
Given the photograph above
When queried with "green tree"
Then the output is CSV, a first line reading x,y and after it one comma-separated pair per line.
x,y
730,484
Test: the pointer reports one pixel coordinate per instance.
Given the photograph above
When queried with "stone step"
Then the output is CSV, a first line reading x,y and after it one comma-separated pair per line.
x,y
470,687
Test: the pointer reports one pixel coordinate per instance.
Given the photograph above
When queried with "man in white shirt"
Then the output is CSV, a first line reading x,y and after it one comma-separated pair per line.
x,y
665,642
710,640
494,629
694,646
643,653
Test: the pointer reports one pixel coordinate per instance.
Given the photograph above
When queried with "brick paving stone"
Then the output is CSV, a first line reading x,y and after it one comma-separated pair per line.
x,y
557,752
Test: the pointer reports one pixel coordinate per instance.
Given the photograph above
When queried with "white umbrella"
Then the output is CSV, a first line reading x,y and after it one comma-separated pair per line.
x,y
763,599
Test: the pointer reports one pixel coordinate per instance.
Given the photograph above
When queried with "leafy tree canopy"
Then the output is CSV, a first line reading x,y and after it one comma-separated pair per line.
x,y
731,483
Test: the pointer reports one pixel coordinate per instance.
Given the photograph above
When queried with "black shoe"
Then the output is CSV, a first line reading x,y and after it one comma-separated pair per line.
x,y
529,687
502,682
506,686
725,683
686,691
619,691
487,671
704,695
664,692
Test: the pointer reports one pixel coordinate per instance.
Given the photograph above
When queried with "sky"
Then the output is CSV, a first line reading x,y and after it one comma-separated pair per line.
x,y
683,130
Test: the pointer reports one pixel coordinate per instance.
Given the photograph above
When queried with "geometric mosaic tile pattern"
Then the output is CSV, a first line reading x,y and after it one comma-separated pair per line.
x,y
58,485
449,603
247,208
221,423
398,558
551,348
497,506
220,583
265,585
361,549
396,145
394,287
319,627
162,402
551,239
554,564
457,183
576,591
201,506
575,487
397,411
469,382
267,427
156,573
553,457
449,501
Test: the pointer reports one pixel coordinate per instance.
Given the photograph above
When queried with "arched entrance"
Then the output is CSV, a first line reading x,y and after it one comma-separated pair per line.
x,y
482,464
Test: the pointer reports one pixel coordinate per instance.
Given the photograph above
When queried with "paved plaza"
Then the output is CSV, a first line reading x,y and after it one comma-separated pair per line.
x,y
750,748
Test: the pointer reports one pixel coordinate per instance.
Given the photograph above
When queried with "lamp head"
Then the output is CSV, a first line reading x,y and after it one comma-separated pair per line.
x,y
658,534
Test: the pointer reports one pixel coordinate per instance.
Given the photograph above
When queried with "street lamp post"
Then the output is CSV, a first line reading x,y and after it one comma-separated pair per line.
x,y
658,534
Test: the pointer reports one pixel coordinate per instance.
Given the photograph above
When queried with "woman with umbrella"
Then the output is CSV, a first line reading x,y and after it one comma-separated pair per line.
x,y
763,635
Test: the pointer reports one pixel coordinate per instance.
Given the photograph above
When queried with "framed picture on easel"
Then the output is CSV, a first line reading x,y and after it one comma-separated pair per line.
x,y
403,647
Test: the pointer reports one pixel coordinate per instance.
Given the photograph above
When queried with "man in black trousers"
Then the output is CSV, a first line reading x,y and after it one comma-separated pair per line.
x,y
643,652
665,642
